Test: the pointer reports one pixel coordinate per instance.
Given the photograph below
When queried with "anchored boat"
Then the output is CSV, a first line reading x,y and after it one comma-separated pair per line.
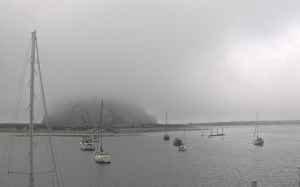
x,y
183,147
101,156
257,141
166,136
177,141
87,143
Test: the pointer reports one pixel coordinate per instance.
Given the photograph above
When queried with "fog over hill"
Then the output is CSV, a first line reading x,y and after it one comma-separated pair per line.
x,y
87,112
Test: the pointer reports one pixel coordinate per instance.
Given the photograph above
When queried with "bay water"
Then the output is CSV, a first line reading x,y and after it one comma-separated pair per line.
x,y
146,160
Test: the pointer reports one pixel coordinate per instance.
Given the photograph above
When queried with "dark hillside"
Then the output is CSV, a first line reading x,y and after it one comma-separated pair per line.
x,y
87,112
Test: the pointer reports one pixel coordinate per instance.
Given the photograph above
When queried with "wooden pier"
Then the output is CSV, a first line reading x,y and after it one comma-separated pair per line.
x,y
222,134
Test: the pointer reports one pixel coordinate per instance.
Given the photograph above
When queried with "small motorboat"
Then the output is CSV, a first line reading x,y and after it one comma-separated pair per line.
x,y
177,141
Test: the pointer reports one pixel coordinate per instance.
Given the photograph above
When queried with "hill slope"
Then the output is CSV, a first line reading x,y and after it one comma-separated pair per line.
x,y
87,112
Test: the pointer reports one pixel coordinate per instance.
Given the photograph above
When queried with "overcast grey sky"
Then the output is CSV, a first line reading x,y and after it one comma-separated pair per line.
x,y
200,61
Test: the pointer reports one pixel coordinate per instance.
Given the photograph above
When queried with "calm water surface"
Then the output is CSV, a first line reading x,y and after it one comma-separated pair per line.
x,y
147,160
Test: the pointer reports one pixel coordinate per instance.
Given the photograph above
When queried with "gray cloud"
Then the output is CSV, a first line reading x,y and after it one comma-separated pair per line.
x,y
199,61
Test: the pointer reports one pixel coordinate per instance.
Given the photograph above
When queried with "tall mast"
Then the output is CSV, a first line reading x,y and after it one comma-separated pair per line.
x,y
31,108
166,123
257,123
101,114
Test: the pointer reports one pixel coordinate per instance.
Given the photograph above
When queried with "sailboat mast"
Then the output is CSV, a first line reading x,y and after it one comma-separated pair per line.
x,y
254,132
101,114
31,108
166,123
257,123
184,135
98,134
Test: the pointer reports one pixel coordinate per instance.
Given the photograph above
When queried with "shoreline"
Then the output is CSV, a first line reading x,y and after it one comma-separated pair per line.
x,y
93,131
122,130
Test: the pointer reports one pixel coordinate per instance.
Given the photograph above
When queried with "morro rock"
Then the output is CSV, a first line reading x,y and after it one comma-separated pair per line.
x,y
87,112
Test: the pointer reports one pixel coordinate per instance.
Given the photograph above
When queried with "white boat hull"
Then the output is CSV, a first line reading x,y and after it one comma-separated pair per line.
x,y
102,157
87,143
87,146
182,148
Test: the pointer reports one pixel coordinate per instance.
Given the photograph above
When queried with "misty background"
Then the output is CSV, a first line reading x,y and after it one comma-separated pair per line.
x,y
200,61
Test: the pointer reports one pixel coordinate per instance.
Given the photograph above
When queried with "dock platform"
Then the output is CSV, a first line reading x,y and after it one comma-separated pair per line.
x,y
222,134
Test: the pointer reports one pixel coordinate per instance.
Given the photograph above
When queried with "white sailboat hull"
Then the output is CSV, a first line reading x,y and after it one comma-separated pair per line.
x,y
102,157
182,148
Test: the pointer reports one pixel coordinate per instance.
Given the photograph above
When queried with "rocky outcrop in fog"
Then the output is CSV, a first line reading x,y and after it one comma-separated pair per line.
x,y
87,112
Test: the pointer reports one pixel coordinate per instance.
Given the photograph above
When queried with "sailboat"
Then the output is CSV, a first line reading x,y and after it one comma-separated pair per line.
x,y
183,147
101,156
33,60
166,136
257,141
94,137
